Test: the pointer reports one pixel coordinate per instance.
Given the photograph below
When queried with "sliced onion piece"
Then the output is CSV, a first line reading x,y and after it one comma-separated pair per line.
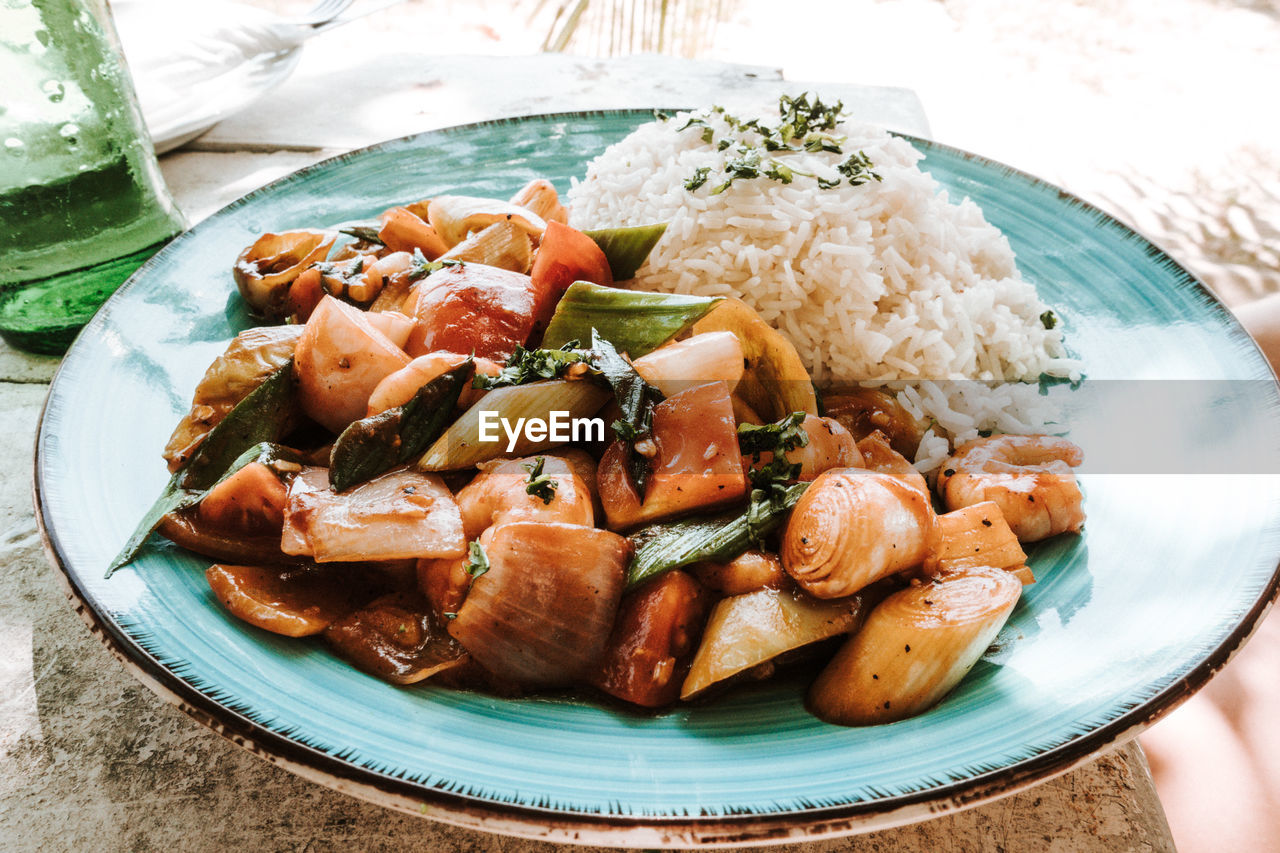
x,y
455,216
973,536
402,514
393,324
266,268
540,197
541,613
775,382
751,629
853,527
339,361
702,358
404,230
296,602
397,638
461,445
915,648
501,245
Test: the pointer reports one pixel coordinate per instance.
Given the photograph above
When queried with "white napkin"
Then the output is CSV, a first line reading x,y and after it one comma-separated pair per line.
x,y
194,64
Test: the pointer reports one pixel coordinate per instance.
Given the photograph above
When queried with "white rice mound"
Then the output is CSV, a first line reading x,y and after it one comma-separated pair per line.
x,y
882,282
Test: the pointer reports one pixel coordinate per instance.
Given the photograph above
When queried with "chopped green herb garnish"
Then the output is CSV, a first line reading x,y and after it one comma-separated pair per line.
x,y
477,560
780,172
1049,319
803,116
699,178
635,397
365,233
420,267
740,168
774,474
786,434
858,169
776,438
540,485
531,365
816,142
624,431
804,126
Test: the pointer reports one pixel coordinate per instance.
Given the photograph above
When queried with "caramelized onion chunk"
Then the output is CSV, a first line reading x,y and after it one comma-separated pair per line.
x,y
852,528
294,602
540,614
397,638
915,647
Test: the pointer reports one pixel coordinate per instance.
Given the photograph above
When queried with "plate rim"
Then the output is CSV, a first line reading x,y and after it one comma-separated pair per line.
x,y
581,827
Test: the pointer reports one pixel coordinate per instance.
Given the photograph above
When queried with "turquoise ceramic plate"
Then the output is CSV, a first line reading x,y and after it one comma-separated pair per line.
x,y
1175,569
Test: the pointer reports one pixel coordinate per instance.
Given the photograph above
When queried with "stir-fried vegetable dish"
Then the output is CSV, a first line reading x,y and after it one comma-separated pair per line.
x,y
460,449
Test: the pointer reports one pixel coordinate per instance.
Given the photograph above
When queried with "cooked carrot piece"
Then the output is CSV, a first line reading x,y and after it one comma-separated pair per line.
x,y
250,500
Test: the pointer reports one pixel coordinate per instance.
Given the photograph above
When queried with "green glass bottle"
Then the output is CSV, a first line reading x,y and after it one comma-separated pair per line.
x,y
82,201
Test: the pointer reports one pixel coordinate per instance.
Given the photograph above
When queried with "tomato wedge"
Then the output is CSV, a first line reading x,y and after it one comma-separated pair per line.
x,y
472,308
564,256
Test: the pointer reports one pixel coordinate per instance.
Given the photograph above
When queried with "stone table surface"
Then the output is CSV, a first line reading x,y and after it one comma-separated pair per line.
x,y
92,760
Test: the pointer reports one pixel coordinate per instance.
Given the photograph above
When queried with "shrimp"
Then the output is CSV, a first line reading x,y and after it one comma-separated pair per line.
x,y
879,455
830,446
398,388
339,360
500,494
1028,476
